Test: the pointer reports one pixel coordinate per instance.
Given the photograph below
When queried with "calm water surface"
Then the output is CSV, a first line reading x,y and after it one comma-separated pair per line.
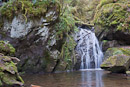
x,y
85,78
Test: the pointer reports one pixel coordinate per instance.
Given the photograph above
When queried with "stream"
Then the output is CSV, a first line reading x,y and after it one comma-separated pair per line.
x,y
84,78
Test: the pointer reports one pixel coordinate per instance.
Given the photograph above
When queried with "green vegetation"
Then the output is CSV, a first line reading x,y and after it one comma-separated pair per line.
x,y
8,72
25,7
116,51
84,10
113,14
64,25
64,28
6,48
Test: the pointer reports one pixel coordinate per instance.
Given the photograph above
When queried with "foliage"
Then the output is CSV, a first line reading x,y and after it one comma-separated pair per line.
x,y
25,7
64,28
113,13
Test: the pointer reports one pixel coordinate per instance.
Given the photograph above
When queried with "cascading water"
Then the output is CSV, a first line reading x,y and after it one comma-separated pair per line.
x,y
88,49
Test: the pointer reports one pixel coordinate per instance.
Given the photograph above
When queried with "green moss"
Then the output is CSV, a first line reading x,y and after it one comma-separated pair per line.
x,y
116,60
8,72
1,83
112,13
125,51
1,74
25,7
64,28
104,65
112,60
105,41
116,51
103,2
9,79
6,48
10,67
20,79
84,10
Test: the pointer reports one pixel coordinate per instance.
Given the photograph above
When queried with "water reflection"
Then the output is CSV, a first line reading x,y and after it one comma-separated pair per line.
x,y
86,78
92,78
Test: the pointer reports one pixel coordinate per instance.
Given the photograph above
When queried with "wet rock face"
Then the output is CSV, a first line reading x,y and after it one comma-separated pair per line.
x,y
34,40
9,75
117,60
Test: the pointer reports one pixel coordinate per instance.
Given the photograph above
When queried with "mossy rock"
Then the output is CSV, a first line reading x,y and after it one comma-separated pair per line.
x,y
117,63
27,8
113,13
8,72
117,50
117,59
84,10
6,48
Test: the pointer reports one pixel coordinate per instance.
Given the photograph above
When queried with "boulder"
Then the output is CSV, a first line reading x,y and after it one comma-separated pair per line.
x,y
117,63
9,76
117,60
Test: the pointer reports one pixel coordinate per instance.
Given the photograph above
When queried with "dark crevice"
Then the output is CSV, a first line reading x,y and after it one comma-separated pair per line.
x,y
57,63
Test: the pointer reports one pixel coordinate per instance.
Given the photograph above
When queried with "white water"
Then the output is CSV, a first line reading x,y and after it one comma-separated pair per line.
x,y
88,48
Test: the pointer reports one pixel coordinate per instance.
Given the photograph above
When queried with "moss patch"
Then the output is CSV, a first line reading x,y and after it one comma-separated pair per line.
x,y
113,13
84,10
6,48
116,51
8,72
25,7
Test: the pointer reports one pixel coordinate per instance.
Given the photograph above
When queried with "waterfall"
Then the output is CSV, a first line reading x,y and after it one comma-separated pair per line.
x,y
88,49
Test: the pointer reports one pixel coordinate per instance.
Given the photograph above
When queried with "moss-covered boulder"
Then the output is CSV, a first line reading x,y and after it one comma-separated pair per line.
x,y
117,59
6,48
117,63
9,76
